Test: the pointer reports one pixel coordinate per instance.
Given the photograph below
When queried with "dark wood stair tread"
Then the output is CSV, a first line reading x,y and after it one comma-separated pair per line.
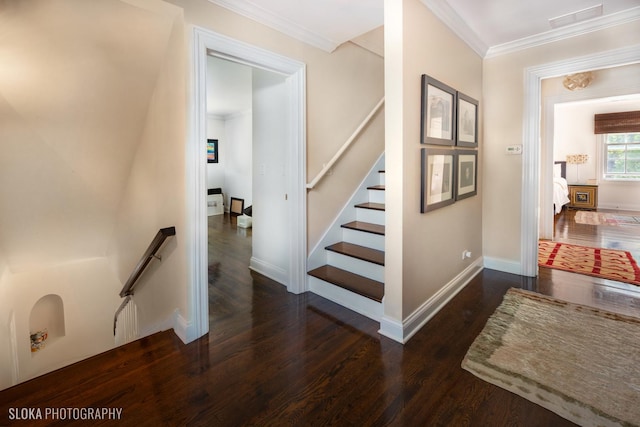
x,y
360,285
373,206
356,251
376,187
365,226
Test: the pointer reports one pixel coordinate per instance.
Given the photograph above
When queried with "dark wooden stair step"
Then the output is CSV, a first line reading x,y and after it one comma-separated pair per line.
x,y
365,226
376,187
360,285
372,206
356,251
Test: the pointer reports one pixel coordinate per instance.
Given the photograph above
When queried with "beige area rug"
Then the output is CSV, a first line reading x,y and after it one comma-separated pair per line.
x,y
600,218
579,362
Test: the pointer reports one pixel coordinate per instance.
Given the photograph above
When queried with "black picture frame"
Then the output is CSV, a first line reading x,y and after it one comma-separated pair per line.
x,y
212,151
467,121
466,174
438,113
236,207
438,175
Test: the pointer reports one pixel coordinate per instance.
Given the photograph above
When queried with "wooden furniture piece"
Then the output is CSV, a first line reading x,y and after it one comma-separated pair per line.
x,y
583,196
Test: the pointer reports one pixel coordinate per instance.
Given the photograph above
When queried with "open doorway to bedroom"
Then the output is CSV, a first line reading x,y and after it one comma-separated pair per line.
x,y
587,208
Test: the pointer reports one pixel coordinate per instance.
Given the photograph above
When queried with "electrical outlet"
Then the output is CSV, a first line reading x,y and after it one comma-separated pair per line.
x,y
466,254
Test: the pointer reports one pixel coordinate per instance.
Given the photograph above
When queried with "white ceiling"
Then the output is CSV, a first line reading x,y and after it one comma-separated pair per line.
x,y
489,26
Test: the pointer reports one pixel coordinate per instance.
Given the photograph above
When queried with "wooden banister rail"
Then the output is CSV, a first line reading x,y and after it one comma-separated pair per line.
x,y
149,254
344,147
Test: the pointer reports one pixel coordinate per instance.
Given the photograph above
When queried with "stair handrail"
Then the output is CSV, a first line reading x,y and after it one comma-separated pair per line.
x,y
148,255
344,147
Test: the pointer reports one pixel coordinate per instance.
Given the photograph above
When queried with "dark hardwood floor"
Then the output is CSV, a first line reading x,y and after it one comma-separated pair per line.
x,y
606,294
275,359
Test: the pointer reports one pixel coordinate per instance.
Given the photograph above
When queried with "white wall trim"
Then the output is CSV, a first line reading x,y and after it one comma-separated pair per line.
x,y
391,328
451,19
501,264
182,328
208,42
558,34
416,320
167,323
529,230
253,11
273,272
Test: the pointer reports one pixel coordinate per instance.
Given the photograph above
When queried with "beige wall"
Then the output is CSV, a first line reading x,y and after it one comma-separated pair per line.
x,y
82,104
71,122
88,289
504,99
342,88
154,197
423,252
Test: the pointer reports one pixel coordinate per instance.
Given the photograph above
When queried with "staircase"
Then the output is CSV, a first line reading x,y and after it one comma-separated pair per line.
x,y
352,274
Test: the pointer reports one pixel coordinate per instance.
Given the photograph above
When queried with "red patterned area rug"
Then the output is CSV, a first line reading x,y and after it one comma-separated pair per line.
x,y
604,263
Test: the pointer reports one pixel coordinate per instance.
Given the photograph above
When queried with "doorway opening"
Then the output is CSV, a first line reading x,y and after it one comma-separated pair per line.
x,y
274,73
531,156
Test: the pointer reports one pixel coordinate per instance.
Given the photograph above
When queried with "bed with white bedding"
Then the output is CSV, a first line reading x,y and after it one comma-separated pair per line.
x,y
560,186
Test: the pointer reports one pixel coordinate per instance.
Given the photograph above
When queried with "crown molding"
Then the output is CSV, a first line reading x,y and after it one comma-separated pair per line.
x,y
451,19
574,30
270,19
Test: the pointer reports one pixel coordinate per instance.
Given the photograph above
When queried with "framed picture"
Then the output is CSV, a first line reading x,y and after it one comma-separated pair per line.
x,y
212,151
467,113
467,174
236,207
438,176
438,115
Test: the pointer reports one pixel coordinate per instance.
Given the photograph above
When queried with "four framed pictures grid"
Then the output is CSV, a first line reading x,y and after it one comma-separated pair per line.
x,y
448,118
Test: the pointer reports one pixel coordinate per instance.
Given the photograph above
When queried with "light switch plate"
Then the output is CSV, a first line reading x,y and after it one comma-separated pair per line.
x,y
514,149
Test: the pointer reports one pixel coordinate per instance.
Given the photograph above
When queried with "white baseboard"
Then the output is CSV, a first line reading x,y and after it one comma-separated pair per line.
x,y
504,265
391,328
619,206
183,329
402,332
273,272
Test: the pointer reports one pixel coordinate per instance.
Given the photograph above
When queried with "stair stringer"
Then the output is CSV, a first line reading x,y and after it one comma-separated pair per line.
x,y
318,255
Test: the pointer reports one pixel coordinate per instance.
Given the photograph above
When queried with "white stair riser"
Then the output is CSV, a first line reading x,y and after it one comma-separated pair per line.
x,y
370,240
357,266
381,175
376,196
370,215
365,306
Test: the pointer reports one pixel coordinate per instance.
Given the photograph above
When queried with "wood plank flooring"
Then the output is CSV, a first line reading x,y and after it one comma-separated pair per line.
x,y
609,295
274,359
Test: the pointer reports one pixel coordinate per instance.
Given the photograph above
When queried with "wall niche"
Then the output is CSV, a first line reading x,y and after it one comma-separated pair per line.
x,y
46,322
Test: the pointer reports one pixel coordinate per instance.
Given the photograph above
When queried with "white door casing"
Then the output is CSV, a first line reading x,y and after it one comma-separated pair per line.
x,y
206,42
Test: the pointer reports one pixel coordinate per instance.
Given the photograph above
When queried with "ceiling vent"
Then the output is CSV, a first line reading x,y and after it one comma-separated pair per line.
x,y
575,17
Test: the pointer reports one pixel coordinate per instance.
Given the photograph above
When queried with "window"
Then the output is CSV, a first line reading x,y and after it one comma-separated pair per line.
x,y
622,156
